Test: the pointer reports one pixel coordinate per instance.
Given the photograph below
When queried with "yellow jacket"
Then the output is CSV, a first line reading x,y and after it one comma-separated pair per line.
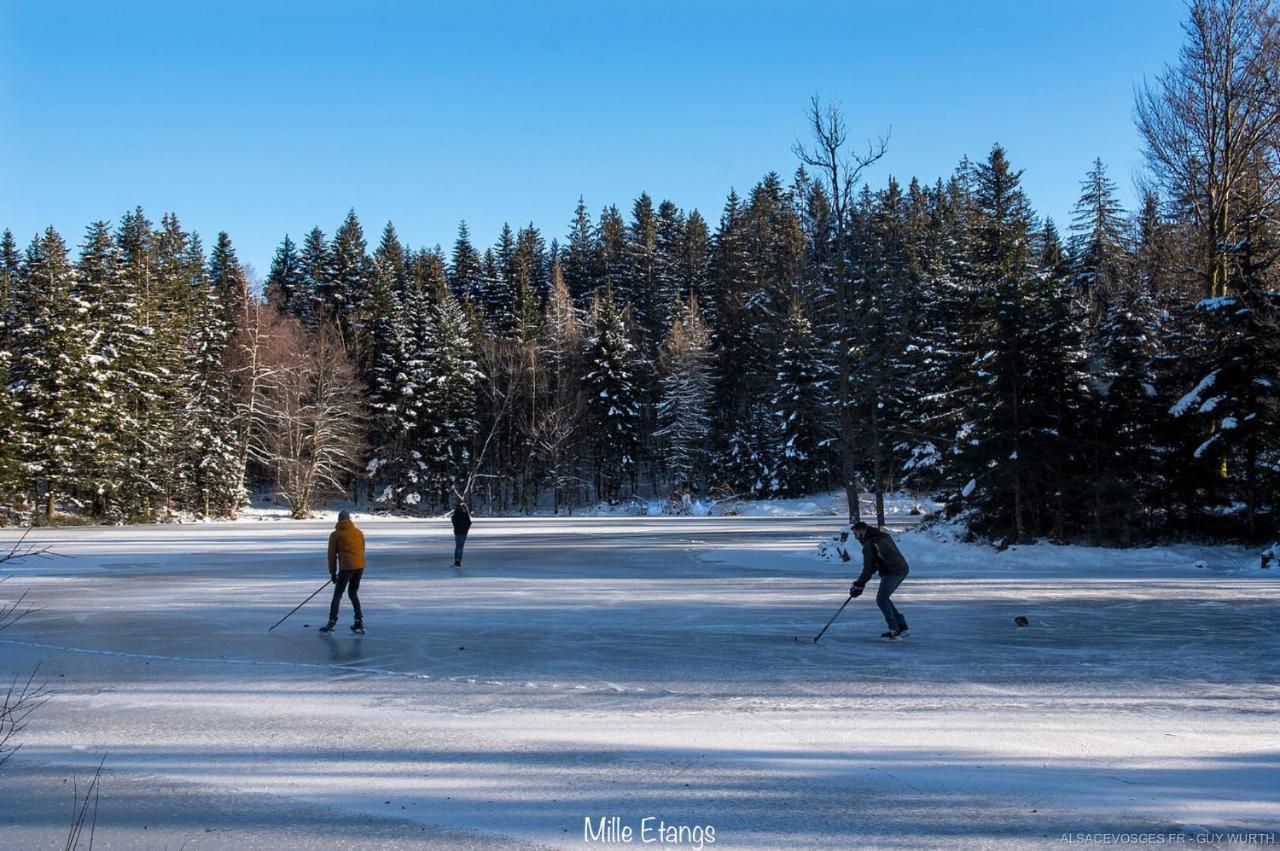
x,y
346,547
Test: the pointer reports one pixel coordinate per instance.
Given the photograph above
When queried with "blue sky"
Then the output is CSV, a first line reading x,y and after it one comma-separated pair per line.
x,y
268,118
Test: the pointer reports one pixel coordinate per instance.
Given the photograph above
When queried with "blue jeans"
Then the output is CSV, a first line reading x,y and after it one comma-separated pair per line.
x,y
458,541
893,617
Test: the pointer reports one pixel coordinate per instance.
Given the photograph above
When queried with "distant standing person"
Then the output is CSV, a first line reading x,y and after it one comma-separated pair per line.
x,y
346,566
461,518
881,555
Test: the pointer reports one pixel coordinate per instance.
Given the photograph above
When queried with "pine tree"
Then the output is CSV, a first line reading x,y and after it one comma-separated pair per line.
x,y
316,295
639,285
229,281
210,442
144,376
694,264
455,375
803,386
399,385
612,404
11,300
735,466
466,274
286,290
684,410
10,279
670,293
1098,247
349,284
581,263
97,283
530,260
498,285
1057,393
51,377
1124,383
995,440
1235,406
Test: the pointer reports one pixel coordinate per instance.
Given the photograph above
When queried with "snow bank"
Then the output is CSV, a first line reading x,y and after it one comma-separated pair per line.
x,y
942,546
828,504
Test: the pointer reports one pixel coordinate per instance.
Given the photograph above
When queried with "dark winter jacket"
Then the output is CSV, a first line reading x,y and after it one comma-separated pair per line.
x,y
461,520
880,555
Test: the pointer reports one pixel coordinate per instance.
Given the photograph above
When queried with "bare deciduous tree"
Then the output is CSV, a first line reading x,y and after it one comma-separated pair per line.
x,y
839,169
311,416
1210,120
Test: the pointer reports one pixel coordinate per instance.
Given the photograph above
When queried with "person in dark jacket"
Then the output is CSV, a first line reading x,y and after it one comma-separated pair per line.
x,y
881,555
461,518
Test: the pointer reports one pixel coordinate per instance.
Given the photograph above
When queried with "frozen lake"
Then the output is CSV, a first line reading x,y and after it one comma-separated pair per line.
x,y
600,667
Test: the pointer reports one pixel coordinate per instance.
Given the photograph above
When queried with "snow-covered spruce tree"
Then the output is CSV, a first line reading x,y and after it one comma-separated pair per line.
x,y
885,297
315,289
1125,454
684,409
397,378
96,284
668,277
11,472
639,286
525,309
144,367
1056,404
214,478
10,438
454,376
348,287
286,291
10,281
926,418
803,392
581,258
530,261
1099,233
1236,403
612,407
1161,251
611,243
993,471
759,267
466,270
498,285
51,378
1098,481
694,264
730,337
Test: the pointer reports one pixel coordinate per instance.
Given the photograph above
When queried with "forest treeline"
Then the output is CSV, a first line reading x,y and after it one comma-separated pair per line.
x,y
1115,380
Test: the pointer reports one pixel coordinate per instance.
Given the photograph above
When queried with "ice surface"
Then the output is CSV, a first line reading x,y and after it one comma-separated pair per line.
x,y
637,667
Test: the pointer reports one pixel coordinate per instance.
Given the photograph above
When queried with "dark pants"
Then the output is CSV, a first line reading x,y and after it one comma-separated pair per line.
x,y
348,581
893,617
458,541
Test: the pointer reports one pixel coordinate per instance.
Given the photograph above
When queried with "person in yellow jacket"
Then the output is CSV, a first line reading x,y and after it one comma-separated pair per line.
x,y
346,566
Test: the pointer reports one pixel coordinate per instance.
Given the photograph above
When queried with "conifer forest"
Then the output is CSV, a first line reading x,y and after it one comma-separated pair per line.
x,y
1114,378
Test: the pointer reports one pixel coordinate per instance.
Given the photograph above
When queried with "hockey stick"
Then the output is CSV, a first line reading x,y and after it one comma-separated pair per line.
x,y
814,640
300,605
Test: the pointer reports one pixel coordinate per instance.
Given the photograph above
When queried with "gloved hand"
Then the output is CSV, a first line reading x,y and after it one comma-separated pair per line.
x,y
855,590
333,577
